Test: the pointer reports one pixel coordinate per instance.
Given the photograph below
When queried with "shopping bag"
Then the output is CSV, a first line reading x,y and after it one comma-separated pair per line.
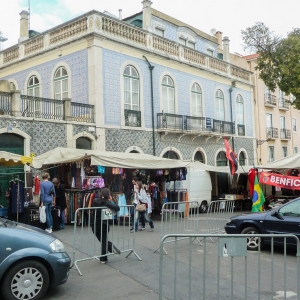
x,y
42,214
140,207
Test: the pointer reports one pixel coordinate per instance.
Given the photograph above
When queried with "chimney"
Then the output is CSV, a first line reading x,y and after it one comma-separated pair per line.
x,y
147,14
120,14
24,32
226,48
218,35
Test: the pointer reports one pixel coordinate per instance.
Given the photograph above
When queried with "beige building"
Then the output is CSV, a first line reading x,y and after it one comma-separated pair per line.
x,y
276,121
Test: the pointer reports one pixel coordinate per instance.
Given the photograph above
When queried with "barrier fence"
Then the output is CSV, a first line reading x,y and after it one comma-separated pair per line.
x,y
180,218
218,214
86,245
226,270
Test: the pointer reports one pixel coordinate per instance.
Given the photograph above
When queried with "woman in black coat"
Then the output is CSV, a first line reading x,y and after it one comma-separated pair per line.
x,y
101,228
60,200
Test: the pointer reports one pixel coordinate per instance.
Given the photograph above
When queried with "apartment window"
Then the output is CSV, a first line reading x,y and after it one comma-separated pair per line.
x,y
196,96
242,159
210,52
294,124
271,153
284,151
239,110
269,124
61,84
168,95
83,143
295,149
33,87
159,31
182,41
282,122
131,89
221,159
199,157
219,106
191,44
170,155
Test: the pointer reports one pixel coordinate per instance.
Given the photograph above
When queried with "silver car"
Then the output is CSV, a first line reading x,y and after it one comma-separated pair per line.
x,y
31,260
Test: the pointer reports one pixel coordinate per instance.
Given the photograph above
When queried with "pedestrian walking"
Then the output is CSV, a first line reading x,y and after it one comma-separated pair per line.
x,y
60,200
101,228
47,199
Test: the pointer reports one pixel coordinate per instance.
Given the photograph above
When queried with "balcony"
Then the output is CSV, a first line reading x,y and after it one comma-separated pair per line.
x,y
241,130
285,134
193,125
132,118
43,108
270,100
283,104
272,133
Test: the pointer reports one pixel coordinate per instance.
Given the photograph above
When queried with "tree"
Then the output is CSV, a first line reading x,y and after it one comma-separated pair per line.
x,y
279,58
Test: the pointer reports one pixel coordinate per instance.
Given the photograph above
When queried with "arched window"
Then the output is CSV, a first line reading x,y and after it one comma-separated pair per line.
x,y
242,159
60,84
170,155
33,87
239,110
221,159
168,95
131,89
134,151
83,143
196,95
219,106
199,157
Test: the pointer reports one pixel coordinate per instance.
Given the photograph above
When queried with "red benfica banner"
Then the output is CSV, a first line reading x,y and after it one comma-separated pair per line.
x,y
286,182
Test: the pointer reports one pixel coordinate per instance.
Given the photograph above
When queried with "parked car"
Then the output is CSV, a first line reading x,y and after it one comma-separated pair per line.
x,y
281,220
31,260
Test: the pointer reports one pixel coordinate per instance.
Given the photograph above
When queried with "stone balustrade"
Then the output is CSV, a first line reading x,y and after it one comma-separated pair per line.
x,y
103,25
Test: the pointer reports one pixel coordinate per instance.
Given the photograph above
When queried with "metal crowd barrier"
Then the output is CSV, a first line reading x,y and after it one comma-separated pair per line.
x,y
179,218
87,246
218,214
226,270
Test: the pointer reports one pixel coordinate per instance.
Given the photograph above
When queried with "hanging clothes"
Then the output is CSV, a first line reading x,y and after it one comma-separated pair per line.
x,y
37,184
18,198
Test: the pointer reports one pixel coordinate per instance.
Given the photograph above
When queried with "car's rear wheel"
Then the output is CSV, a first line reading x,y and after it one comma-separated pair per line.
x,y
203,207
25,280
253,242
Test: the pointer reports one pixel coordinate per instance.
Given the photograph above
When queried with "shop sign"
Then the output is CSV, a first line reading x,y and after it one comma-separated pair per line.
x,y
283,181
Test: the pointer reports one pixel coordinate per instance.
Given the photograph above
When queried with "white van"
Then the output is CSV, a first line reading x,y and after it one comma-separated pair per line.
x,y
198,185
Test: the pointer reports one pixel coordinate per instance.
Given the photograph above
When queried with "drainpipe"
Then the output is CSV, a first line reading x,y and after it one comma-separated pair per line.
x,y
233,125
152,102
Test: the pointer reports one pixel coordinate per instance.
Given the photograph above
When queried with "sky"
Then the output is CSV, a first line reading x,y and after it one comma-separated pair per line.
x,y
227,16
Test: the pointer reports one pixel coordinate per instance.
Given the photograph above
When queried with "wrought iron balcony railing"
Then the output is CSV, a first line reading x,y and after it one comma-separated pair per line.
x,y
241,129
44,108
272,133
132,118
285,134
270,100
283,104
166,121
82,112
5,103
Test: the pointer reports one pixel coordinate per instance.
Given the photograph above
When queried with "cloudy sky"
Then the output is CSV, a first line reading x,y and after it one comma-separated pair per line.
x,y
230,16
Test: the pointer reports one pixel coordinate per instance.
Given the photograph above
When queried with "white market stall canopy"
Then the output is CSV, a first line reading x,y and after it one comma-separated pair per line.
x,y
12,159
118,159
106,159
286,163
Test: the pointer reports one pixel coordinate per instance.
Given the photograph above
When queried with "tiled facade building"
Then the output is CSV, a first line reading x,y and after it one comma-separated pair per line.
x,y
90,79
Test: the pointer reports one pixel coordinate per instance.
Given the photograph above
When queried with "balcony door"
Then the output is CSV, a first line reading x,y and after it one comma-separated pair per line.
x,y
269,124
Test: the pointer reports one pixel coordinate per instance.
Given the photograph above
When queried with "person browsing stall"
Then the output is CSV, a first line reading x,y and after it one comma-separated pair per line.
x,y
60,200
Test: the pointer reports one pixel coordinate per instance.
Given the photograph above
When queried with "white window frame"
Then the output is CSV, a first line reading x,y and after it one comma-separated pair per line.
x,y
191,44
294,124
182,41
132,79
34,89
60,80
271,153
159,31
34,105
167,103
239,110
210,52
295,149
284,151
219,103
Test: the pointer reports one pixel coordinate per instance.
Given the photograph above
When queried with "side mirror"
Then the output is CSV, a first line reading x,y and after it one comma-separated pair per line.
x,y
277,215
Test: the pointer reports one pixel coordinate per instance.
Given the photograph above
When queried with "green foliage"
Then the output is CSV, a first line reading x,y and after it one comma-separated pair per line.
x,y
279,58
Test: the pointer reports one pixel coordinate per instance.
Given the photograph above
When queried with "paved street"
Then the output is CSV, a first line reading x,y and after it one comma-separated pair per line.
x,y
129,278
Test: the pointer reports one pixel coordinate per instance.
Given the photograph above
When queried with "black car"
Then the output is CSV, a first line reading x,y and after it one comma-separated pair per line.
x,y
281,220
